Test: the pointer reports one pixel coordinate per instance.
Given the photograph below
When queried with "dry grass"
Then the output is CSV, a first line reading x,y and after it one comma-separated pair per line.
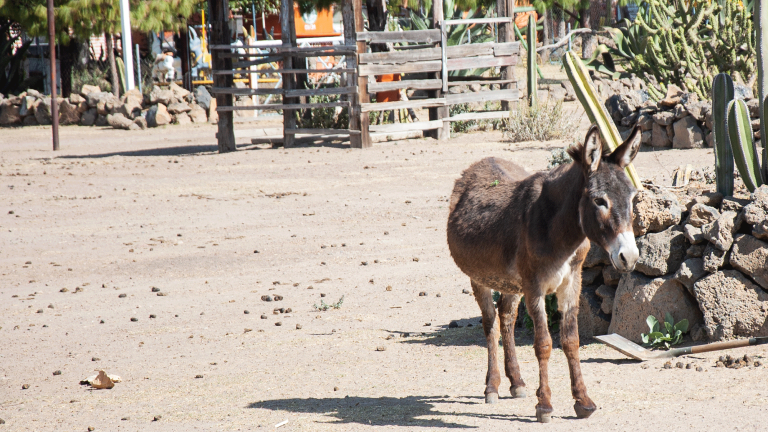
x,y
541,122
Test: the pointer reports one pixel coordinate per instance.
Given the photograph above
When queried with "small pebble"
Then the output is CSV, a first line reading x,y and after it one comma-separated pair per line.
x,y
247,330
757,364
134,319
438,295
389,287
95,359
423,294
256,251
416,259
365,263
152,316
427,324
50,306
699,369
266,298
322,294
125,419
101,322
91,428
155,289
453,324
162,294
58,372
465,291
246,312
263,317
298,326
157,417
288,310
335,389
122,295
679,365
198,376
28,262
668,365
25,386
39,311
689,366
278,297
278,324
381,348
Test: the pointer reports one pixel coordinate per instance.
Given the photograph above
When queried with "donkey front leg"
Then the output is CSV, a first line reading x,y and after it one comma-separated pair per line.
x,y
569,337
484,298
507,318
542,346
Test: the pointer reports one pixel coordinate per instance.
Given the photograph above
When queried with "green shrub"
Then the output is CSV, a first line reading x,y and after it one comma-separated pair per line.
x,y
541,122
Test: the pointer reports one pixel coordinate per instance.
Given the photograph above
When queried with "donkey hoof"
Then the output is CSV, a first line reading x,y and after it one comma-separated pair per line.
x,y
491,398
543,415
583,411
518,392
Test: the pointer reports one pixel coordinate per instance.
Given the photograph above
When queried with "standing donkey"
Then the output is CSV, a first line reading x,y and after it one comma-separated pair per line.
x,y
528,235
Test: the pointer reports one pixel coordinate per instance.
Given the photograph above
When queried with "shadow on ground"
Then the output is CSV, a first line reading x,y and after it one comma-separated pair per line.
x,y
386,411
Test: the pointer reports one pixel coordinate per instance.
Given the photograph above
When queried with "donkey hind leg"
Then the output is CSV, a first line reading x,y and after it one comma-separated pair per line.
x,y
542,346
567,299
484,298
507,318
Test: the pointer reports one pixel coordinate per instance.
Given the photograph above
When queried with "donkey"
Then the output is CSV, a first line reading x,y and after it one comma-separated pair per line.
x,y
528,235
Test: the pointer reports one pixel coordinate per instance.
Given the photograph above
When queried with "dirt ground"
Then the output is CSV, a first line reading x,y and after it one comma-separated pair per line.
x,y
116,213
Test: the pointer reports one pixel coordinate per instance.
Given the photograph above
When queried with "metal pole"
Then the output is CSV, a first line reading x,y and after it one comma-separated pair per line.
x,y
138,68
253,18
125,25
52,49
569,36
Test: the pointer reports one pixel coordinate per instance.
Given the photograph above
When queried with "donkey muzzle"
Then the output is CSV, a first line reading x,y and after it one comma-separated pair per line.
x,y
623,252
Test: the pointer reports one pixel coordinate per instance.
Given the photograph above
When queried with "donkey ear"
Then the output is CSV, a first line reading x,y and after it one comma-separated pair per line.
x,y
592,150
627,151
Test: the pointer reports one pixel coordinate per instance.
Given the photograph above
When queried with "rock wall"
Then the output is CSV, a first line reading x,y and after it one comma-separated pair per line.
x,y
703,258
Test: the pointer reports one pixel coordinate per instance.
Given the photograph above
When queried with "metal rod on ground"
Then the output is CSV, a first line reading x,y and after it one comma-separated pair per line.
x,y
138,68
54,105
125,21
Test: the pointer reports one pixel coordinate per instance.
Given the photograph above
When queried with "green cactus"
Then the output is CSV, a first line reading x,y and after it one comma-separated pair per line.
x,y
760,14
722,94
585,91
532,84
744,150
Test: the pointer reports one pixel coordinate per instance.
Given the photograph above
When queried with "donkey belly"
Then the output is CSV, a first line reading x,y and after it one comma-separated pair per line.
x,y
504,285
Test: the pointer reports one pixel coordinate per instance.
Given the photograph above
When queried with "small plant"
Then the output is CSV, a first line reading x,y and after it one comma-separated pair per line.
x,y
325,306
670,334
542,122
550,305
558,157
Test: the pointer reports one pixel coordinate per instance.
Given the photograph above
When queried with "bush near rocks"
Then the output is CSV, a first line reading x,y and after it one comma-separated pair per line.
x,y
92,107
702,257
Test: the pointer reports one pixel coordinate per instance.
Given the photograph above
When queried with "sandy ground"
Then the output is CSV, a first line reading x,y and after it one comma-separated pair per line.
x,y
117,213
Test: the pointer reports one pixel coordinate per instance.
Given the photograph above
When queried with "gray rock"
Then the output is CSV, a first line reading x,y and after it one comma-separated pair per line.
x,y
178,92
659,137
734,204
76,99
714,258
741,91
750,256
733,306
141,122
101,120
689,272
754,108
607,294
182,119
89,117
702,214
596,256
655,212
95,98
621,105
756,213
202,97
687,134
720,232
695,251
664,118
29,120
119,121
712,199
646,138
88,89
693,234
661,253
9,114
589,275
178,108
160,95
68,113
131,106
158,115
27,106
638,296
698,110
197,114
680,111
592,320
645,121
611,276
43,111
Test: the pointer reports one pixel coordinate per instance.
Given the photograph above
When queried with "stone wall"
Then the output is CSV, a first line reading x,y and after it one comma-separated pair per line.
x,y
703,258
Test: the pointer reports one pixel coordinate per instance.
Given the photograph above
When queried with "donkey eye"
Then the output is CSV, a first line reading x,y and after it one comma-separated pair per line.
x,y
600,202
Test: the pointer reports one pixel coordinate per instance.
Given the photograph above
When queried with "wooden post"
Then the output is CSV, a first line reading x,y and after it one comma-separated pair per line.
x,y
288,36
442,112
506,8
52,54
358,120
350,39
220,35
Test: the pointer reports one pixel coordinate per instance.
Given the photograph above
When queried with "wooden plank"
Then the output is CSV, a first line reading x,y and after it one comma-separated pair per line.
x,y
322,91
411,67
246,91
470,50
258,44
479,20
402,127
414,36
247,55
220,34
484,115
288,38
283,106
321,132
419,103
481,82
264,60
444,56
283,71
506,49
415,46
425,84
428,53
334,50
480,62
507,94
357,118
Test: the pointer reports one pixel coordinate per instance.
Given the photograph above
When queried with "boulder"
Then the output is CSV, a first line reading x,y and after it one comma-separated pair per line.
x,y
714,258
94,98
134,94
702,214
29,120
645,121
638,296
27,106
89,117
712,199
160,95
659,136
182,119
213,115
673,97
105,102
75,99
733,306
753,105
179,107
695,251
734,204
607,294
689,272
178,92
197,114
119,121
157,115
131,106
664,118
661,253
693,234
740,91
687,134
34,93
68,113
756,213
43,111
16,100
680,111
202,97
592,320
88,89
611,276
621,105
596,256
9,114
720,232
101,120
698,110
590,275
141,122
655,212
646,138
750,256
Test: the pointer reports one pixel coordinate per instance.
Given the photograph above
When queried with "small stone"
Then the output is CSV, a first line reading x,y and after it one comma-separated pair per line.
x,y
153,316
264,317
322,294
122,295
157,417
25,386
95,359
365,263
668,365
679,365
50,306
198,376
453,324
39,311
298,326
58,372
699,369
101,322
63,290
438,295
465,291
134,319
689,366
381,348
416,259
246,312
155,289
278,297
335,389
91,428
266,298
288,310
389,287
256,251
422,294
278,324
427,324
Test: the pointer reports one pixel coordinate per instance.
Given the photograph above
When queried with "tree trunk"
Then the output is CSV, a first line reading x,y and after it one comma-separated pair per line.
x,y
377,20
181,40
66,63
586,38
546,32
112,65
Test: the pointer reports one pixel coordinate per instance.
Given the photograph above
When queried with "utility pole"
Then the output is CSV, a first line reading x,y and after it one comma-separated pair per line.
x,y
52,49
125,24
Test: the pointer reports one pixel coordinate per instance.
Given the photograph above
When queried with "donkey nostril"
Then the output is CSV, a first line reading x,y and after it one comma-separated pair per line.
x,y
621,257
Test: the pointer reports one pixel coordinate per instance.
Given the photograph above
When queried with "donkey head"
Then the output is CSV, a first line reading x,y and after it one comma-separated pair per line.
x,y
605,209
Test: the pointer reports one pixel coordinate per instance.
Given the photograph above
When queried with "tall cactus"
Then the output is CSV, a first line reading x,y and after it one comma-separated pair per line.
x,y
532,84
722,94
760,15
744,150
585,91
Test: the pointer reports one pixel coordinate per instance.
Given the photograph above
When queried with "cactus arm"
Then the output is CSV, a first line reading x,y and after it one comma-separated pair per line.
x,y
584,89
744,151
761,16
532,84
525,47
722,94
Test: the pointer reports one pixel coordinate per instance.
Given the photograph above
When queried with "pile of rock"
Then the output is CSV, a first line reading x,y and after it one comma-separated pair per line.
x,y
93,107
703,258
680,120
